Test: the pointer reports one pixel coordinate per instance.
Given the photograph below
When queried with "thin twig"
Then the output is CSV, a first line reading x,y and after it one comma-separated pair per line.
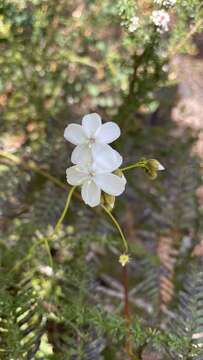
x,y
173,52
31,165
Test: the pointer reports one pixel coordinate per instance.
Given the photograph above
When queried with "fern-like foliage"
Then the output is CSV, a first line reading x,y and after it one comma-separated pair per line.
x,y
166,223
21,322
188,319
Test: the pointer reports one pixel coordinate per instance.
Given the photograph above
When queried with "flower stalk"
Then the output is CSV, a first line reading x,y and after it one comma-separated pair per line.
x,y
124,259
59,222
139,164
150,166
115,222
58,225
126,311
128,343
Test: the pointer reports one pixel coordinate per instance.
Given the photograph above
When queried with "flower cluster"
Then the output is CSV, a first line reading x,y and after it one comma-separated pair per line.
x,y
166,3
95,161
161,20
169,3
134,23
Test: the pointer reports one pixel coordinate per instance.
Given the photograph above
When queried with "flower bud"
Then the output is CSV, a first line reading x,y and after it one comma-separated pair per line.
x,y
108,201
152,167
124,259
118,172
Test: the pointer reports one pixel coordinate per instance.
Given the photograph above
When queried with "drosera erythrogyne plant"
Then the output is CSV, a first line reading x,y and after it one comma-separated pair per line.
x,y
96,168
97,171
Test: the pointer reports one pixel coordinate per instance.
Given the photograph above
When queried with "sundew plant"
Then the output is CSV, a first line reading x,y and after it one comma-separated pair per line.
x,y
101,180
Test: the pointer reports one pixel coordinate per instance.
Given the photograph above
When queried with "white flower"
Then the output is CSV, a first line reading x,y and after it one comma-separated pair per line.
x,y
134,22
47,270
96,177
161,19
90,136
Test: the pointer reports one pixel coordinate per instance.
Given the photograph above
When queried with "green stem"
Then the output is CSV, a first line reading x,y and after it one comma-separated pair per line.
x,y
26,258
58,225
65,210
46,243
139,164
46,240
118,228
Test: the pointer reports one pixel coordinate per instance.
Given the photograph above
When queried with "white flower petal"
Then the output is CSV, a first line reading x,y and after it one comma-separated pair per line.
x,y
110,183
91,123
91,193
105,158
75,134
108,133
81,154
75,175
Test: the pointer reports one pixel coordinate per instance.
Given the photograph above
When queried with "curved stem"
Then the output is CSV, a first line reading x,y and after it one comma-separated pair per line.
x,y
58,224
26,258
46,243
118,227
139,164
46,239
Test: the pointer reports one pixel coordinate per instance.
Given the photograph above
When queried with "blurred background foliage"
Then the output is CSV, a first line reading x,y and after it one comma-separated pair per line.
x,y
58,61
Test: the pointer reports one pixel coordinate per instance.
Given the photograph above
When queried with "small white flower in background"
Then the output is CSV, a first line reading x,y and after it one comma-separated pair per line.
x,y
161,19
47,270
167,3
134,23
89,137
158,2
96,176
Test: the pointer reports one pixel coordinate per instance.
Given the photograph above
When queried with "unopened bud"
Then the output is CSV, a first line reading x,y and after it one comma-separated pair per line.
x,y
124,259
118,172
152,167
109,201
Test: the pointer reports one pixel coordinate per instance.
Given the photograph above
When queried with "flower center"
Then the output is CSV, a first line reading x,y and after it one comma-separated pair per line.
x,y
91,142
92,174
